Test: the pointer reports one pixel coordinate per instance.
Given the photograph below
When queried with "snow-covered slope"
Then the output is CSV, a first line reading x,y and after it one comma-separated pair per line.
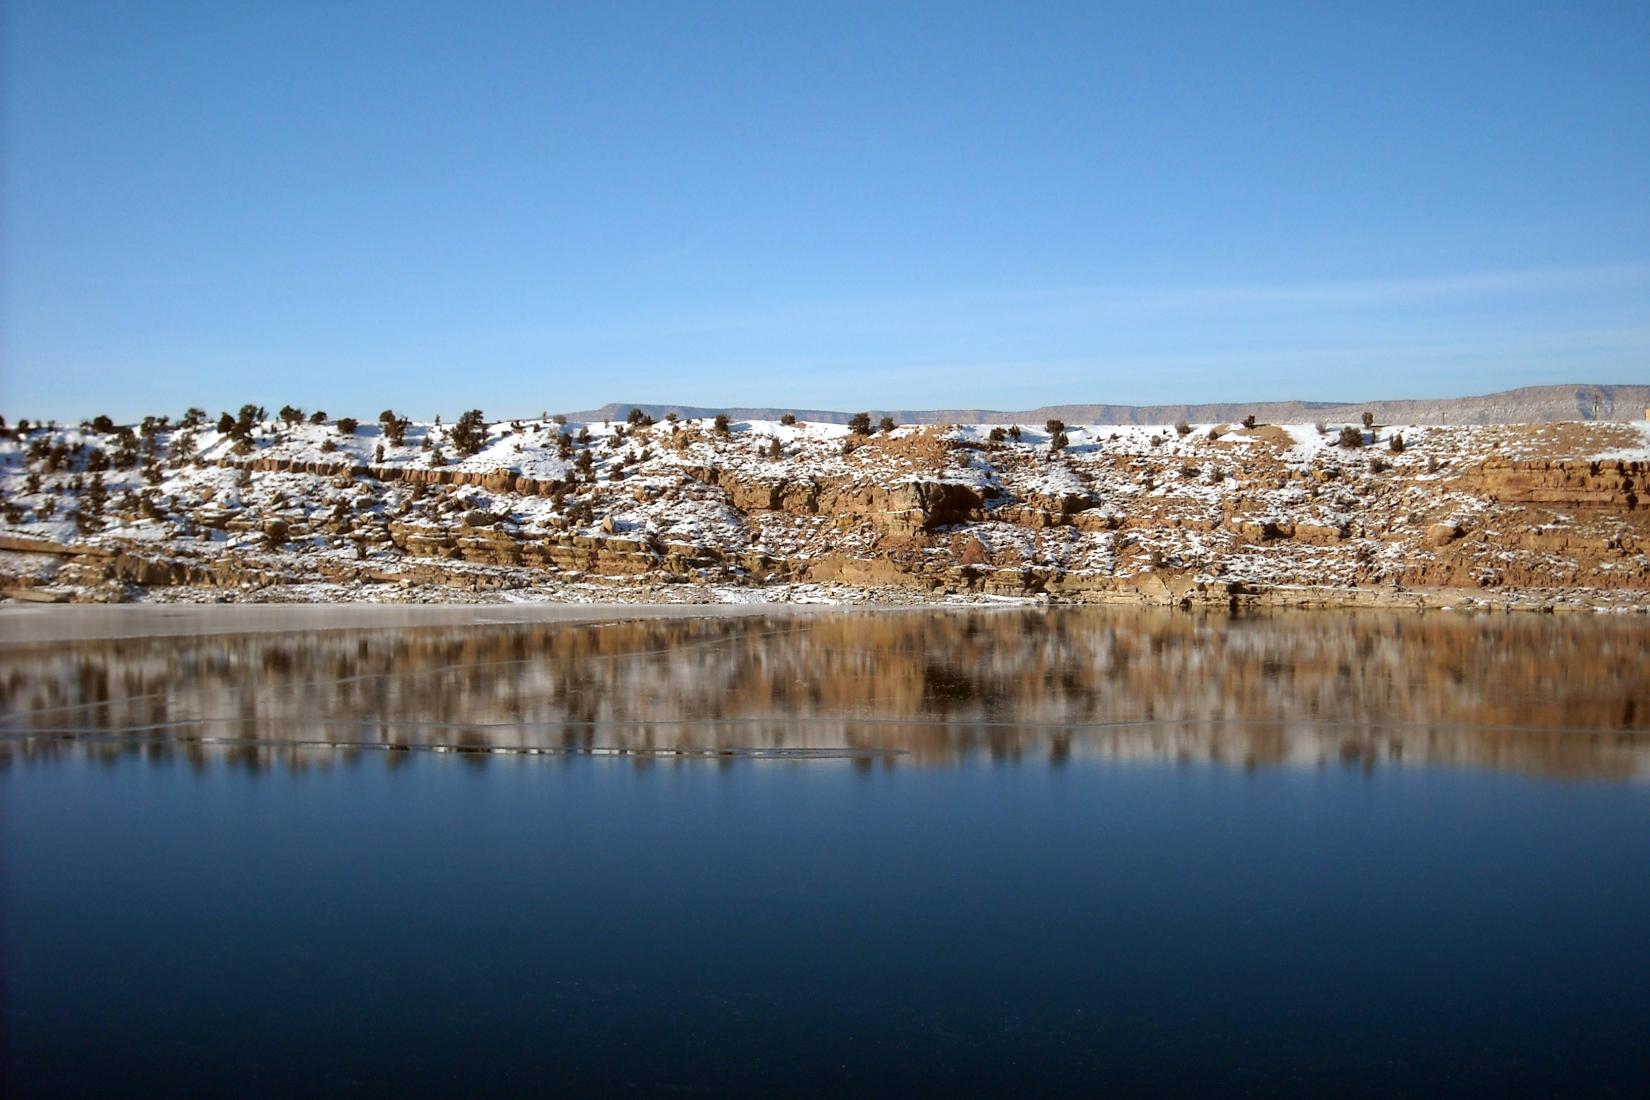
x,y
971,511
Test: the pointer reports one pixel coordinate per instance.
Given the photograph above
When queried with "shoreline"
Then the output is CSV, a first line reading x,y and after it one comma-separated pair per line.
x,y
26,624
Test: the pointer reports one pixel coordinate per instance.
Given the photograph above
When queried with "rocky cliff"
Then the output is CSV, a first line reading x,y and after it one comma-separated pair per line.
x,y
1206,513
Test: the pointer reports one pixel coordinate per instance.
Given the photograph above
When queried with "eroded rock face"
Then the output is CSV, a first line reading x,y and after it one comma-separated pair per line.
x,y
928,505
1177,520
1613,484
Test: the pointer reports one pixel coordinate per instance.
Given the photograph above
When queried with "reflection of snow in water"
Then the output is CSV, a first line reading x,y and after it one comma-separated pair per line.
x,y
1525,693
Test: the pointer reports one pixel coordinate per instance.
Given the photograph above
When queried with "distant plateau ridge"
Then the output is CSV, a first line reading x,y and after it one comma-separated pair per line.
x,y
1528,405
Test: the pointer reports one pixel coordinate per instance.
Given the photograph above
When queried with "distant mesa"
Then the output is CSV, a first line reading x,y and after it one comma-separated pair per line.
x,y
1528,405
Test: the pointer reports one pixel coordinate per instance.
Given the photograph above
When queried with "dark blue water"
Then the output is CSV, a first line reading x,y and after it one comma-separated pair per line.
x,y
1022,908
586,924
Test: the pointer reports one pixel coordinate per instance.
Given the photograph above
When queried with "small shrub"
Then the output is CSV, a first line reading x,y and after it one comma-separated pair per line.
x,y
1249,421
775,450
789,419
721,425
469,435
1396,444
998,435
1014,432
347,425
394,427
886,425
1190,473
860,424
1377,465
318,417
291,414
1054,426
1369,419
1214,434
1182,428
1351,437
635,418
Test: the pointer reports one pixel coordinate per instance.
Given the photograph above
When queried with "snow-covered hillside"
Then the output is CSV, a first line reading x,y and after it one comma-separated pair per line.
x,y
261,508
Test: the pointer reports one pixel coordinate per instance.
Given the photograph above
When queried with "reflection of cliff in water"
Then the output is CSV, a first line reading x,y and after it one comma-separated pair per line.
x,y
1540,694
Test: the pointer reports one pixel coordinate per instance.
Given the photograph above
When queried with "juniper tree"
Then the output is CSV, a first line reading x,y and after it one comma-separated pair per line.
x,y
886,425
394,427
860,424
126,449
469,435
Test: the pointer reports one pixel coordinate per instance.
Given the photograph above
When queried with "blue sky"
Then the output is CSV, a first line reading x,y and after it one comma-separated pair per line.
x,y
531,206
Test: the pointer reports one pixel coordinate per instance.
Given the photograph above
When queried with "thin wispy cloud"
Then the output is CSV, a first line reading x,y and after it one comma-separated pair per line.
x,y
915,311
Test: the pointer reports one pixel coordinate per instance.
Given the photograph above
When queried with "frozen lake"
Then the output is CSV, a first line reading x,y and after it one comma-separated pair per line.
x,y
826,851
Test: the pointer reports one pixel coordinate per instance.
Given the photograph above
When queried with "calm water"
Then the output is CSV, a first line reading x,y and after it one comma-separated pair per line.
x,y
955,851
